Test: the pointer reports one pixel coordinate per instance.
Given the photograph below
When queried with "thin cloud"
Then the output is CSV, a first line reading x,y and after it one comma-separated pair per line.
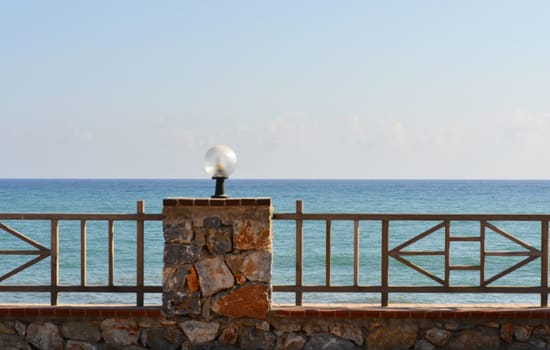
x,y
289,130
531,129
83,136
398,133
183,136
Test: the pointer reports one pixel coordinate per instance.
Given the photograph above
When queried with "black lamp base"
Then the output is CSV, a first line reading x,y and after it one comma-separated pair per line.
x,y
220,188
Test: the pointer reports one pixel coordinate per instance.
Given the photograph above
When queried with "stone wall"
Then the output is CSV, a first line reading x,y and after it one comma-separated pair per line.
x,y
283,329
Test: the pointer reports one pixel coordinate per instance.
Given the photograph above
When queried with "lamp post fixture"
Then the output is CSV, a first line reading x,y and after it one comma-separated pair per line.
x,y
220,162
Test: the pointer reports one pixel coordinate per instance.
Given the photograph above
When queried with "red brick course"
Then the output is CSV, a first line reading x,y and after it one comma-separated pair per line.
x,y
481,313
31,311
216,202
298,312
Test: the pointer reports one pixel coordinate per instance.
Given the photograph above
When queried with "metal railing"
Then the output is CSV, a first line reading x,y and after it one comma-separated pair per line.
x,y
401,252
404,250
41,252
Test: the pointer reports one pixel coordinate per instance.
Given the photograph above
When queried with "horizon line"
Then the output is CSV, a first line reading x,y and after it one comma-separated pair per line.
x,y
281,178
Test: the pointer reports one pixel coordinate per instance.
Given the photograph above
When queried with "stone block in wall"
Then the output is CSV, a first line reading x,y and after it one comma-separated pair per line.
x,y
235,263
286,325
181,303
44,336
200,332
214,275
257,266
179,254
253,338
291,341
542,330
165,338
229,334
523,333
20,327
80,345
393,336
249,234
120,332
218,241
348,332
178,230
329,342
474,339
174,277
192,280
12,341
248,301
87,331
437,336
507,332
7,329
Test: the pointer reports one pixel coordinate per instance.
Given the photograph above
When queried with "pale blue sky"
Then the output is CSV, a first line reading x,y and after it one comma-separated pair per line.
x,y
300,89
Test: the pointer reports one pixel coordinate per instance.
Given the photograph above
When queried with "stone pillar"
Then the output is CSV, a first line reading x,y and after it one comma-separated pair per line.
x,y
217,258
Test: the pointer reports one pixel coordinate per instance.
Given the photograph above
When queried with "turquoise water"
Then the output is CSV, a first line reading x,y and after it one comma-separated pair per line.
x,y
360,196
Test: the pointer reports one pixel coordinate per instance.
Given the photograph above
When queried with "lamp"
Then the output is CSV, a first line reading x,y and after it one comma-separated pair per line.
x,y
220,162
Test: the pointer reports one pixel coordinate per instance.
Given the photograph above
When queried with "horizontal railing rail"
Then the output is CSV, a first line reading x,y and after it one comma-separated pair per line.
x,y
42,252
402,251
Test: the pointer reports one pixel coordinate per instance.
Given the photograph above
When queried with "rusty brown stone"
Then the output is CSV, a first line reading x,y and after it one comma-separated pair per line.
x,y
248,301
234,262
193,280
396,337
507,332
240,279
249,234
229,334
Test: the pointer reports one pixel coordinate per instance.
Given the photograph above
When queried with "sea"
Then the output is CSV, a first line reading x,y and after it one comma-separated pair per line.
x,y
319,196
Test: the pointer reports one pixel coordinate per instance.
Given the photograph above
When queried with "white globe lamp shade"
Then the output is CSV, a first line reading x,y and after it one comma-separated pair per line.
x,y
220,162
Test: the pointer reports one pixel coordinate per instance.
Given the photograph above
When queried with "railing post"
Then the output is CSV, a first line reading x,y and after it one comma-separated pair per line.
x,y
54,262
111,253
385,261
82,253
356,253
482,234
544,264
299,251
328,253
447,253
140,253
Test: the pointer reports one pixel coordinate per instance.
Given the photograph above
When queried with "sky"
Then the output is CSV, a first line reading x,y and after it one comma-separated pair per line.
x,y
391,89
